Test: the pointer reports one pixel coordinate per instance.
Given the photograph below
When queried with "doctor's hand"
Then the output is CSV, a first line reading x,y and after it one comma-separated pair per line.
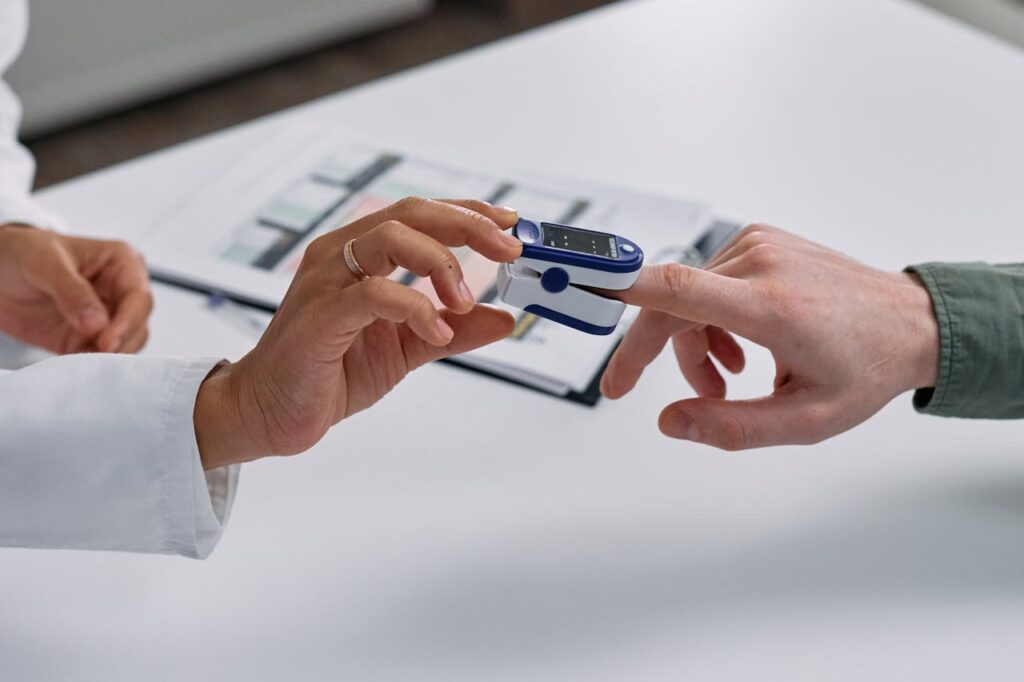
x,y
846,339
69,294
339,343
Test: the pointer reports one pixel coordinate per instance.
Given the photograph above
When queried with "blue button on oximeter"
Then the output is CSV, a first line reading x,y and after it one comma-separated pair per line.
x,y
557,260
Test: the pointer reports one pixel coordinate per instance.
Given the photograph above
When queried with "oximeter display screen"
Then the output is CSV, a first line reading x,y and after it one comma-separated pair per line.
x,y
580,241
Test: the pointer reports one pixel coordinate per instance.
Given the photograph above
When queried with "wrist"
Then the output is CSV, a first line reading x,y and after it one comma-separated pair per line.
x,y
221,431
922,330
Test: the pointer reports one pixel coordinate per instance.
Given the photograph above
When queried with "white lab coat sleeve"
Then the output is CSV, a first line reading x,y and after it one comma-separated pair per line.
x,y
17,167
99,451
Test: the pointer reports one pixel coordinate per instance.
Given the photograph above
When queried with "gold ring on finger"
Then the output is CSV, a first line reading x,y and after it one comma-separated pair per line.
x,y
352,263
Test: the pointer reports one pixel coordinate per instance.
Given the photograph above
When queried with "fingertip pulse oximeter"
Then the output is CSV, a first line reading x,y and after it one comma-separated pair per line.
x,y
559,259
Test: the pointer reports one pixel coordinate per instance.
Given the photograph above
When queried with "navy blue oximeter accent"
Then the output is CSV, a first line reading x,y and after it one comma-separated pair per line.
x,y
531,234
554,280
569,320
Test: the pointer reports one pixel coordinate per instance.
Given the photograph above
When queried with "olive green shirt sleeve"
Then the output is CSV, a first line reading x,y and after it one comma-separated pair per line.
x,y
980,310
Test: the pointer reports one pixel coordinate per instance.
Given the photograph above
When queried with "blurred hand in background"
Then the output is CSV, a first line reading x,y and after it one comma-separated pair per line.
x,y
69,294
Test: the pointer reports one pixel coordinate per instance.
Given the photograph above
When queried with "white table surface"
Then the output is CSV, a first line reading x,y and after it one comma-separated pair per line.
x,y
434,537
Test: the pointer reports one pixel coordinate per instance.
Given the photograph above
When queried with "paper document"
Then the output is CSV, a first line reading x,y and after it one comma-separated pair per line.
x,y
244,231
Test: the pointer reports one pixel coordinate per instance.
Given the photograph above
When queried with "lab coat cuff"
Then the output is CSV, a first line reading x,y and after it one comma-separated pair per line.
x,y
198,503
27,211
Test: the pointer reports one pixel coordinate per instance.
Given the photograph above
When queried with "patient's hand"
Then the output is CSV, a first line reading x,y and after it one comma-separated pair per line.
x,y
846,339
69,294
337,345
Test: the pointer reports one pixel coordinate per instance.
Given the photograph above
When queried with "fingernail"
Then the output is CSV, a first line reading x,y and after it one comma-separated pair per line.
x,y
447,333
509,240
94,317
467,295
679,425
507,209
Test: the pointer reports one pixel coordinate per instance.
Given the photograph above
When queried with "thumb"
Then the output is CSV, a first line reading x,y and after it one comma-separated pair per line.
x,y
74,297
778,419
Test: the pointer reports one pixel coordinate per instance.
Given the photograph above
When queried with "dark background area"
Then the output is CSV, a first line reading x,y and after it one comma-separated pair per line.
x,y
455,25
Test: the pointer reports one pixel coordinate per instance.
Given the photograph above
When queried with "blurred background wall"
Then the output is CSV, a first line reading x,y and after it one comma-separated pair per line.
x,y
103,81
92,57
107,80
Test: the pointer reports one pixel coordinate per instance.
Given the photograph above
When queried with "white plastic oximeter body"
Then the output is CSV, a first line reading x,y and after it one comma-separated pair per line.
x,y
557,260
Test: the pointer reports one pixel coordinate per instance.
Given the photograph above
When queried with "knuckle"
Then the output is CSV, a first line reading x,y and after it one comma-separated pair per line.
x,y
392,230
425,308
478,220
416,306
757,229
751,236
675,277
475,205
124,249
764,255
474,225
408,204
317,250
733,434
447,260
373,288
393,234
751,240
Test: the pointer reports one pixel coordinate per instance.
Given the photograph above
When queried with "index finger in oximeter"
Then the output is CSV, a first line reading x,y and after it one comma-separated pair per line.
x,y
556,261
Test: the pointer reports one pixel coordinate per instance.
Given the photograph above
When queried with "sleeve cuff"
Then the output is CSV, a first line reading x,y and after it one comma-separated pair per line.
x,y
198,503
98,451
26,211
931,400
980,311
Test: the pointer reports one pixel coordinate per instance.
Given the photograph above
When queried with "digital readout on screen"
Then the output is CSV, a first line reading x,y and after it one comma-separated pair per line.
x,y
580,241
